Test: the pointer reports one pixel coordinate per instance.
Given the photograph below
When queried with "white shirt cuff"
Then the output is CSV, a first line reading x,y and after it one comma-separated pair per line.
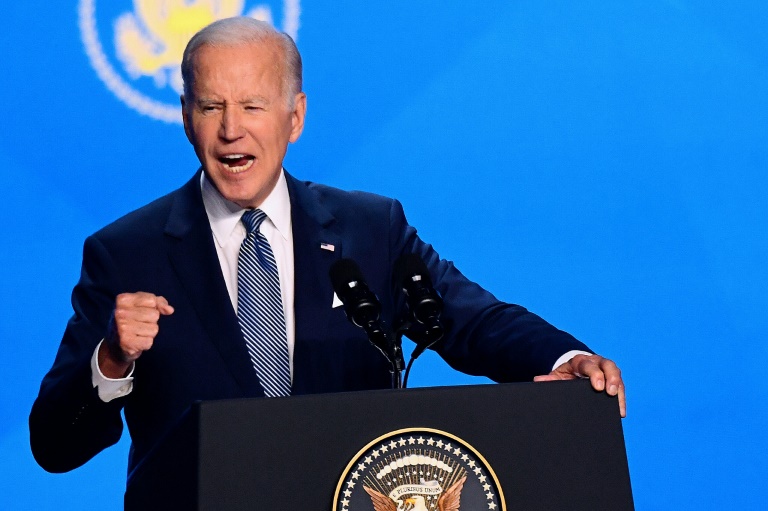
x,y
109,388
568,356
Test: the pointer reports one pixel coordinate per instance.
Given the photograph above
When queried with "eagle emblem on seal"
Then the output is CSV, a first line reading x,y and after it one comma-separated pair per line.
x,y
449,500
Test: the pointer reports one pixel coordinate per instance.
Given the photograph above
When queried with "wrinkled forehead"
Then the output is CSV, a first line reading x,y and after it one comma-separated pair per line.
x,y
256,58
267,52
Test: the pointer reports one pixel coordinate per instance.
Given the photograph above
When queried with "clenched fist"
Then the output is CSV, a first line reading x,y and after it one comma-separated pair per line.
x,y
132,331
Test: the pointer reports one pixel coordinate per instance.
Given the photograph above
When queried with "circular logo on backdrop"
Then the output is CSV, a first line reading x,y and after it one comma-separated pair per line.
x,y
135,46
418,469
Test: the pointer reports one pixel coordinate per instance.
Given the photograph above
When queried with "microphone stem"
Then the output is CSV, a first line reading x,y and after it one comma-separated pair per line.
x,y
399,362
390,348
407,372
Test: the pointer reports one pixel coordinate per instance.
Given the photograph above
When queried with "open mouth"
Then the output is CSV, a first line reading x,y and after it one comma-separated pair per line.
x,y
236,163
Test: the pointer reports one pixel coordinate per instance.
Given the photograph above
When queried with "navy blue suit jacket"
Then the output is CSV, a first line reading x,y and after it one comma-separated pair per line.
x,y
166,248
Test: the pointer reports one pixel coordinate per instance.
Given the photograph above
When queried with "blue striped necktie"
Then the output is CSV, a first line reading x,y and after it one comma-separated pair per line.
x,y
260,308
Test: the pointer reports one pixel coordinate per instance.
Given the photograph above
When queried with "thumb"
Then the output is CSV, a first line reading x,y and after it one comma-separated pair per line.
x,y
553,376
163,307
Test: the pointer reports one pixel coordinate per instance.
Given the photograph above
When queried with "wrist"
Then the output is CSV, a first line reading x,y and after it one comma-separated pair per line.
x,y
109,366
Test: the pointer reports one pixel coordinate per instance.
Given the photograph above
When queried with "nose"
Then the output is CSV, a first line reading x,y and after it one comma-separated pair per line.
x,y
231,124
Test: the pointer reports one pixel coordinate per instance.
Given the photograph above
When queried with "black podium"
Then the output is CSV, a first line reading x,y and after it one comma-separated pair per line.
x,y
547,446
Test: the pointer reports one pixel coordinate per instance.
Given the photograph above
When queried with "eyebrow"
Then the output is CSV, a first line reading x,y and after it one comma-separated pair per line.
x,y
207,100
250,99
254,99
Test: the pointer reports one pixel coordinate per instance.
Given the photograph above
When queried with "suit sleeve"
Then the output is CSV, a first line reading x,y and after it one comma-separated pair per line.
x,y
68,423
484,336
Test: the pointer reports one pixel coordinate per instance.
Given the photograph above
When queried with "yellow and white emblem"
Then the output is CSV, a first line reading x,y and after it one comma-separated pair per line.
x,y
136,46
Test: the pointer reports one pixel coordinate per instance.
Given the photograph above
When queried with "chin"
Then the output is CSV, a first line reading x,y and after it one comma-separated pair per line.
x,y
243,202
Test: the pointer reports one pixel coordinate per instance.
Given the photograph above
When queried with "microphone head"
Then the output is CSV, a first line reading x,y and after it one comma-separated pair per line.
x,y
409,269
360,304
342,273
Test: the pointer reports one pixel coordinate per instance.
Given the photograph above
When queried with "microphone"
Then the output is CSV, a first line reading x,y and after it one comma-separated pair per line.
x,y
424,302
363,309
360,304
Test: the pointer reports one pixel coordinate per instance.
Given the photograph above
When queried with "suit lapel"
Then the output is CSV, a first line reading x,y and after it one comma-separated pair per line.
x,y
316,246
193,257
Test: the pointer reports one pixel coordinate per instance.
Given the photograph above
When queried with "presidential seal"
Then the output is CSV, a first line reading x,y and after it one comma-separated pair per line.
x,y
136,46
418,469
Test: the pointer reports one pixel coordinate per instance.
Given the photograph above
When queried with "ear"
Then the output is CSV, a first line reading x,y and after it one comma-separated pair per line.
x,y
297,116
184,118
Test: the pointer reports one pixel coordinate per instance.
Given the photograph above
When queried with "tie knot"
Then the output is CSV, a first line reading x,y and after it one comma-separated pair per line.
x,y
252,220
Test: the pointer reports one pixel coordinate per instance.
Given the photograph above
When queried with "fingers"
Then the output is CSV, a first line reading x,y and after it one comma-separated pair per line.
x,y
614,383
134,324
589,367
622,401
603,374
612,376
144,300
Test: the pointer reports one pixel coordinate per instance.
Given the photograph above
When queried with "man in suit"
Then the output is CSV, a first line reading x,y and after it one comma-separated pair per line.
x,y
157,312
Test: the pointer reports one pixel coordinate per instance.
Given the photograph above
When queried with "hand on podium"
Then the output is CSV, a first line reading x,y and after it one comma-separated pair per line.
x,y
602,373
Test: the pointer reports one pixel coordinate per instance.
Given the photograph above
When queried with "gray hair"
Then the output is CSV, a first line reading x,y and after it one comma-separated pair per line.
x,y
243,30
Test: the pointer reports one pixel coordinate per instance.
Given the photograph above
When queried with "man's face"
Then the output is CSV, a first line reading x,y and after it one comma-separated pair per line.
x,y
238,121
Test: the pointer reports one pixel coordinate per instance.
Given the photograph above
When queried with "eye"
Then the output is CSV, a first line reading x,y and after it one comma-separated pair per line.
x,y
209,107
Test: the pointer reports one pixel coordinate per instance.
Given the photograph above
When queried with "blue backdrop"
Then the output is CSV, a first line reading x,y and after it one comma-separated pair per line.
x,y
602,163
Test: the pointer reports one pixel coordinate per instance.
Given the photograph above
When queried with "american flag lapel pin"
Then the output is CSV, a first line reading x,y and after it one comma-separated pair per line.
x,y
327,246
